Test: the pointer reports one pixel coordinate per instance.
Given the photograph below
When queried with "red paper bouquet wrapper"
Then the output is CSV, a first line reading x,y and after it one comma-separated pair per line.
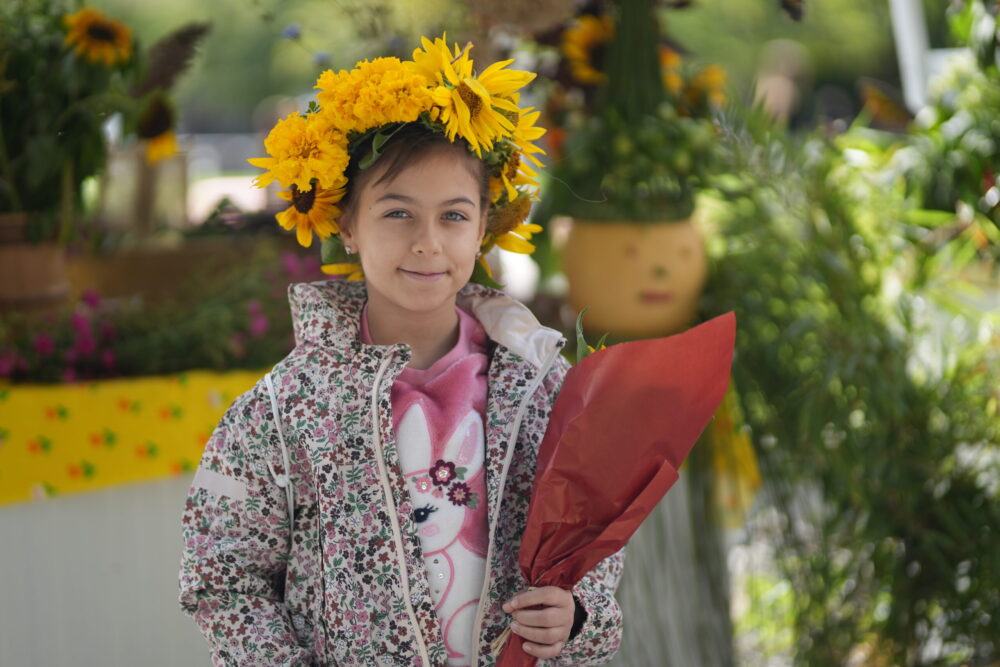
x,y
624,421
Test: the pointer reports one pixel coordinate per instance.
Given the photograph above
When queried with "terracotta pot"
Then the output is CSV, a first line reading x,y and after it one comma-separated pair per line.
x,y
639,280
33,276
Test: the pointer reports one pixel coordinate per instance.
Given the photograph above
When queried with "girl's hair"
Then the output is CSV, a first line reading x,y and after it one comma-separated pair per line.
x,y
412,142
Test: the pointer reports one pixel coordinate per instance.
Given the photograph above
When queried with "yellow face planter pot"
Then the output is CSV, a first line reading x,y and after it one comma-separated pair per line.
x,y
639,279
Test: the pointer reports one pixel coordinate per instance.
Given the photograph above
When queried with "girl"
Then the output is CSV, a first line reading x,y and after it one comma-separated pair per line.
x,y
363,503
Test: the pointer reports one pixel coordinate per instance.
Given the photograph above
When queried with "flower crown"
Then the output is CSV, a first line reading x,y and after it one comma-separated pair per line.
x,y
366,106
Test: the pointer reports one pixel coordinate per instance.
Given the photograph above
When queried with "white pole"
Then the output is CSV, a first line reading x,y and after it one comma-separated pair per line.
x,y
910,31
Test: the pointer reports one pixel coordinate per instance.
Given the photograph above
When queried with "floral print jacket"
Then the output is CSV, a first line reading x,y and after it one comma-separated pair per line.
x,y
347,585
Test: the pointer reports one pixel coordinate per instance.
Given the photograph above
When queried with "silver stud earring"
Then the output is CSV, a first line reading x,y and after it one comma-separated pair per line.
x,y
479,253
348,249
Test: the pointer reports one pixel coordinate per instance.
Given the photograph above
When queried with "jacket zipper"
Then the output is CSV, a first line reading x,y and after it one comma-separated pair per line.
x,y
394,520
481,607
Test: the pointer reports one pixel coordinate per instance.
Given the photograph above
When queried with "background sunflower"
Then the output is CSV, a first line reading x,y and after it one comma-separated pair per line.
x,y
98,38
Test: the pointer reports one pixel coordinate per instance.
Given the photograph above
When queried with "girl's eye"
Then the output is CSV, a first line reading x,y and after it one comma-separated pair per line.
x,y
396,214
455,215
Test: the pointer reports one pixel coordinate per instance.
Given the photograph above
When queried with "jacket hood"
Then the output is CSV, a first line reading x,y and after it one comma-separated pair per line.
x,y
327,314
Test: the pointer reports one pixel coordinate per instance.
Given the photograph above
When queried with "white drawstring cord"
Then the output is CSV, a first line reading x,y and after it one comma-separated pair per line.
x,y
284,480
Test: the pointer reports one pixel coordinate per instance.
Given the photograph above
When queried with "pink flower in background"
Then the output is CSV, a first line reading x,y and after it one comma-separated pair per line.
x,y
44,345
301,269
69,375
91,297
254,307
85,344
70,356
107,331
290,262
108,358
8,362
258,325
79,323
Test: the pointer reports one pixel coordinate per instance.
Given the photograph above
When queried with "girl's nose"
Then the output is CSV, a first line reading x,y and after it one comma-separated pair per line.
x,y
427,241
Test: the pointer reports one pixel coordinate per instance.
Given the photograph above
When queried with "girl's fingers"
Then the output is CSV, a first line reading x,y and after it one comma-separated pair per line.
x,y
551,596
540,618
540,635
540,651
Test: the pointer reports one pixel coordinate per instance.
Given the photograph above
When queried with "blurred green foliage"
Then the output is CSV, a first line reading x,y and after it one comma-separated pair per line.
x,y
264,48
950,158
247,59
874,409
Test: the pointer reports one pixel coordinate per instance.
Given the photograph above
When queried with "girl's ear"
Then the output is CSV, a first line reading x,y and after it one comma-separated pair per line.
x,y
483,219
346,228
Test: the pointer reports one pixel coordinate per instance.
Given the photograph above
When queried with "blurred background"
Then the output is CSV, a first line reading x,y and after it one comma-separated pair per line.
x,y
827,169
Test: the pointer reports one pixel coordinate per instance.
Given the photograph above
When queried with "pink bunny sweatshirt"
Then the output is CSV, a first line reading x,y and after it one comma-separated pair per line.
x,y
438,422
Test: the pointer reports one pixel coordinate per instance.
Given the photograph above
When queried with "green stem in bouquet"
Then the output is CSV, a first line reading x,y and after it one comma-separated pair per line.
x,y
584,349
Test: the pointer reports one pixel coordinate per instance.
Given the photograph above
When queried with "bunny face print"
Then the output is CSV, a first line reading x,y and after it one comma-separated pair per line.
x,y
447,489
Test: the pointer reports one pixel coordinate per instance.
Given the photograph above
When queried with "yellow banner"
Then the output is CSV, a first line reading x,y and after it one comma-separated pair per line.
x,y
59,439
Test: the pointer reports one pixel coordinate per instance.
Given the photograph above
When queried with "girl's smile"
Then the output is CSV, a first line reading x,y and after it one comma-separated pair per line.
x,y
419,275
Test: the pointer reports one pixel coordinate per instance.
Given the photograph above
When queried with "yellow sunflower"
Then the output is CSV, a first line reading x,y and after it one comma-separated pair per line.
x,y
526,132
156,127
507,228
311,211
98,38
161,147
303,148
467,105
374,93
351,271
514,173
582,43
432,60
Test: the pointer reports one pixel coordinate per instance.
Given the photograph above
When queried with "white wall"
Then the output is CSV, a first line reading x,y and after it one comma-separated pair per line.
x,y
91,579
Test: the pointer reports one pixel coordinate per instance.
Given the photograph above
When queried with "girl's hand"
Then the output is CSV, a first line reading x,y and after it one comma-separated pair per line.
x,y
544,618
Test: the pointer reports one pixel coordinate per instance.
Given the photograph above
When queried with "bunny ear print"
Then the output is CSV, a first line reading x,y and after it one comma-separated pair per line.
x,y
466,446
413,430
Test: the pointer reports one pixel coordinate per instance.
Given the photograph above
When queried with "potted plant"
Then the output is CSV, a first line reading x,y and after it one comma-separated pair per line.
x,y
628,173
63,75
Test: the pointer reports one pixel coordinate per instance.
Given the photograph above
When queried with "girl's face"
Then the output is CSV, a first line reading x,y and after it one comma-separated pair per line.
x,y
418,233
